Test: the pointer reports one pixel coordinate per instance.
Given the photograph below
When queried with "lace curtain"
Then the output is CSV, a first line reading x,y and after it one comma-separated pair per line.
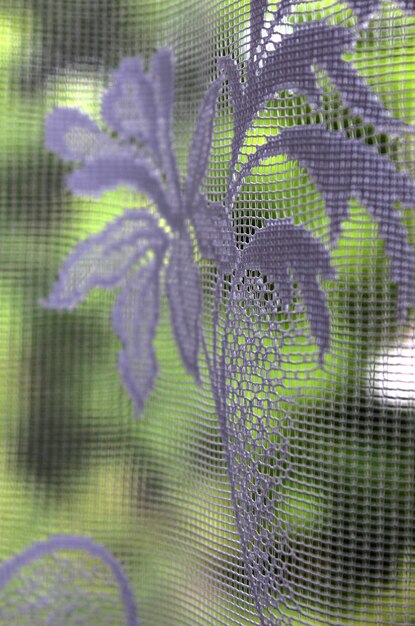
x,y
207,279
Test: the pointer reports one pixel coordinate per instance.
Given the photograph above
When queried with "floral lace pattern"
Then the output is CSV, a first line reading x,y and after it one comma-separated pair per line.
x,y
87,586
281,263
130,252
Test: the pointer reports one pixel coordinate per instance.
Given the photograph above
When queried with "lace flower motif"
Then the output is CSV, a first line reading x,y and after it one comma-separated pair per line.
x,y
132,251
67,579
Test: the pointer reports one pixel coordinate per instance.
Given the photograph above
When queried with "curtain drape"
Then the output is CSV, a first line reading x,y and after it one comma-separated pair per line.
x,y
207,288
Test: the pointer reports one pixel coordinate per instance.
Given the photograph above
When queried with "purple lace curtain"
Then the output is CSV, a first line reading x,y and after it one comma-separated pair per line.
x,y
207,278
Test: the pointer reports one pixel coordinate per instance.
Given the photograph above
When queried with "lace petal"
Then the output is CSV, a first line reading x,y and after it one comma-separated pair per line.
x,y
135,318
103,174
201,144
162,74
184,296
129,104
72,135
104,259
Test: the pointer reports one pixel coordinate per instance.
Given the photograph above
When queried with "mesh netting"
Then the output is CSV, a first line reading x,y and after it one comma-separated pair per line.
x,y
207,281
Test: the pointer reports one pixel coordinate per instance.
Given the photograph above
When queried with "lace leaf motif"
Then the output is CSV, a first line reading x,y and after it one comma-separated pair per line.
x,y
282,251
292,63
341,168
346,168
131,252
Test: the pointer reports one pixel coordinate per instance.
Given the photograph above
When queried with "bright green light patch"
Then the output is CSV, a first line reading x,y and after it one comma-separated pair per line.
x,y
16,39
81,90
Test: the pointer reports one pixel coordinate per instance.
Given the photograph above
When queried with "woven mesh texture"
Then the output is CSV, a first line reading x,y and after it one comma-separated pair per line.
x,y
207,288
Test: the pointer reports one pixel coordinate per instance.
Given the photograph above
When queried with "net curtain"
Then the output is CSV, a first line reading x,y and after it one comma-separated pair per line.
x,y
207,285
